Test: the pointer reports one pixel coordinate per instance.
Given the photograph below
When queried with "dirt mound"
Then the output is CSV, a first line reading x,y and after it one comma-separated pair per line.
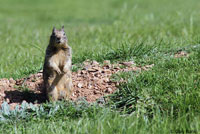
x,y
91,82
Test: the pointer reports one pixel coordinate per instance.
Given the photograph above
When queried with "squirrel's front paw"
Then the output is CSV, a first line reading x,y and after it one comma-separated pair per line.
x,y
58,71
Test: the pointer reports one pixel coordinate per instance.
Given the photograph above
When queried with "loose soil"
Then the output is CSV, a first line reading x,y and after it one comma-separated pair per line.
x,y
91,82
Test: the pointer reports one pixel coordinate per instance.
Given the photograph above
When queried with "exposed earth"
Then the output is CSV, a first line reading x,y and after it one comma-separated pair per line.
x,y
91,82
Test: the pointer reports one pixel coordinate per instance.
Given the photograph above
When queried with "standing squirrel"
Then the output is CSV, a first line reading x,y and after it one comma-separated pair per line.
x,y
57,67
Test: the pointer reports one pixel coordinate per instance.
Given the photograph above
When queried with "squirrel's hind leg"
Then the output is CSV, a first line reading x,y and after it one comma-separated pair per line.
x,y
53,94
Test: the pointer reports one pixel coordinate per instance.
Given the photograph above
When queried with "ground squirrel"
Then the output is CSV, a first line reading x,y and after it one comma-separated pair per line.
x,y
57,67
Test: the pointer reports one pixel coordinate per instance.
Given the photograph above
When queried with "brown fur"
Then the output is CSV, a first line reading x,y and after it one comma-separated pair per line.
x,y
57,67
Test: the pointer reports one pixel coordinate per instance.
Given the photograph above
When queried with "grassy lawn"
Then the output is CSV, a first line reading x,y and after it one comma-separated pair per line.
x,y
165,99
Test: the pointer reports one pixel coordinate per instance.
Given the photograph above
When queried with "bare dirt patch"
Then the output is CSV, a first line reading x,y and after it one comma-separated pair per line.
x,y
91,82
181,54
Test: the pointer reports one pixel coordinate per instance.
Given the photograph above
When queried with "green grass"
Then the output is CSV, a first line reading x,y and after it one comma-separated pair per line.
x,y
81,117
165,99
93,28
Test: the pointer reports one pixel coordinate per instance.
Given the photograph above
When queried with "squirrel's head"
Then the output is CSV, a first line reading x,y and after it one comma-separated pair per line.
x,y
58,38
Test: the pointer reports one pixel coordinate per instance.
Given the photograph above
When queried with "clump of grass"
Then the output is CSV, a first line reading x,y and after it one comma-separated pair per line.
x,y
171,85
124,52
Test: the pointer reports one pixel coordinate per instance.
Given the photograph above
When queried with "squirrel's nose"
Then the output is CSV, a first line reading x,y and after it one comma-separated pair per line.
x,y
58,38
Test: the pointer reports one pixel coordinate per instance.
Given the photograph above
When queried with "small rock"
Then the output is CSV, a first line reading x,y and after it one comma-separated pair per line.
x,y
80,85
83,72
97,75
41,71
129,63
109,90
181,54
106,63
96,92
149,66
95,63
90,86
12,81
87,62
136,69
107,71
92,70
87,67
106,80
73,94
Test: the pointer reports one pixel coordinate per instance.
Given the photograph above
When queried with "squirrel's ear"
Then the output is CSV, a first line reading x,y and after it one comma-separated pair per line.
x,y
62,28
54,29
